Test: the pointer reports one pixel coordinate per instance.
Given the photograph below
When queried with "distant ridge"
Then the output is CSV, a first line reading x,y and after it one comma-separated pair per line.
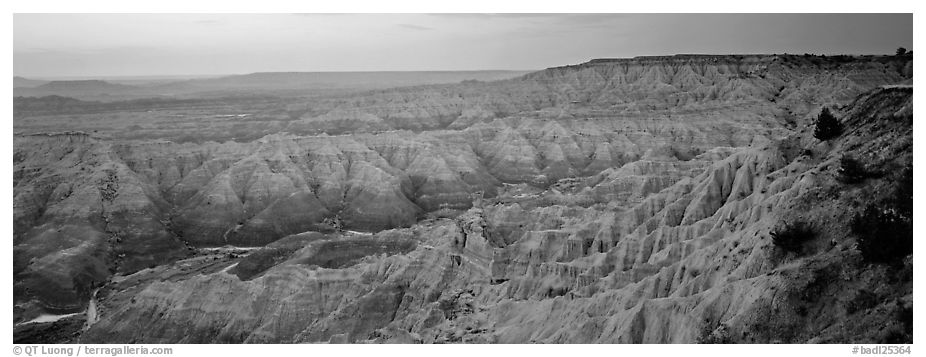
x,y
83,85
22,82
258,83
82,89
290,81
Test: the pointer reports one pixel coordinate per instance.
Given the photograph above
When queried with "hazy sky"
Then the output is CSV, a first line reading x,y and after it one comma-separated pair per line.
x,y
57,45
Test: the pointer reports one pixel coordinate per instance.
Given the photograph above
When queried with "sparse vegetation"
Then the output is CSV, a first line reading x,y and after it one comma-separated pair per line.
x,y
884,235
902,198
827,126
850,171
791,237
885,232
712,335
863,300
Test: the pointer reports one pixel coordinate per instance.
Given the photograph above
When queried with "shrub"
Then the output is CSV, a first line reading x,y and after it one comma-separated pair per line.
x,y
709,335
792,236
850,170
900,51
884,235
827,126
885,232
902,199
905,316
863,300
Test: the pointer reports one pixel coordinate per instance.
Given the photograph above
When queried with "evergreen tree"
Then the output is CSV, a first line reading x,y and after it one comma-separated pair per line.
x,y
827,126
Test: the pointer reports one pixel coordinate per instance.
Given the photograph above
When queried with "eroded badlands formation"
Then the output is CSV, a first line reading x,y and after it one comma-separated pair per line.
x,y
614,201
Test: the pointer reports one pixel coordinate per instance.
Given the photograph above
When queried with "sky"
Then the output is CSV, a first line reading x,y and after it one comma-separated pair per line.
x,y
108,45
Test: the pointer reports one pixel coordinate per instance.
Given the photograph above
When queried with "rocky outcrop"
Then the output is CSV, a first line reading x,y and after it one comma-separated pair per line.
x,y
79,216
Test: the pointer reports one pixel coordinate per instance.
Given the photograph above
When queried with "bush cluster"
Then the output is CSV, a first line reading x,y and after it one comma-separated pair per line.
x,y
885,232
792,236
850,170
884,235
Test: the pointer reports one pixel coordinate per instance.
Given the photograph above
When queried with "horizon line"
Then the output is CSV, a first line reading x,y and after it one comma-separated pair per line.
x,y
217,75
181,76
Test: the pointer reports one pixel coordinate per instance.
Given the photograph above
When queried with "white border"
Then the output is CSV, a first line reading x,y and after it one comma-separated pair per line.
x,y
479,6
395,6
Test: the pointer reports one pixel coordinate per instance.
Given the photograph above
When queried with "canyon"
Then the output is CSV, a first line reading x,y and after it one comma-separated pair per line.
x,y
613,201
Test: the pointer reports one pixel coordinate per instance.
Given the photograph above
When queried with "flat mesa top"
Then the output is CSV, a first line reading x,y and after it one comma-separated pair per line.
x,y
714,58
